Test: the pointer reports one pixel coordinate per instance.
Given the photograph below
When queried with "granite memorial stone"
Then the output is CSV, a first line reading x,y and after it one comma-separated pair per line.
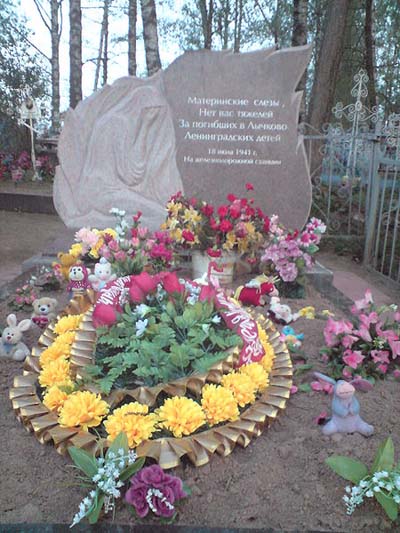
x,y
208,124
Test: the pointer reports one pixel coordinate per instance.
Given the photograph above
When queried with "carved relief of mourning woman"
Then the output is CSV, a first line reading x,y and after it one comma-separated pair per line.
x,y
117,149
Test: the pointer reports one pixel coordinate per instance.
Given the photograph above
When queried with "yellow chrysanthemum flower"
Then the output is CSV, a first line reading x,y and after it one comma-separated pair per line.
x,y
76,249
54,398
66,338
181,416
241,387
53,352
307,312
268,359
67,323
56,373
83,409
257,374
133,420
219,404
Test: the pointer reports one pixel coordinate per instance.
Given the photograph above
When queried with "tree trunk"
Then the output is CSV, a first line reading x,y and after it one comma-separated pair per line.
x,y
75,52
149,18
100,53
299,38
55,6
105,56
328,63
206,21
132,16
238,25
370,51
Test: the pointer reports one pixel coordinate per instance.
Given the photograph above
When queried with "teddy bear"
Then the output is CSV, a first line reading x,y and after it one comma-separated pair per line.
x,y
255,291
44,311
10,342
62,267
102,275
78,279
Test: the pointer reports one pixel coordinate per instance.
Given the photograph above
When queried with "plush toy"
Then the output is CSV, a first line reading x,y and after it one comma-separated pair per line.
x,y
102,275
78,279
255,292
292,338
345,407
44,311
10,343
65,263
281,313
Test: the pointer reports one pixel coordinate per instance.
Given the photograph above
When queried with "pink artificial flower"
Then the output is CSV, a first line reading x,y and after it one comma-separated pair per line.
x,y
364,333
353,359
346,373
380,356
293,389
321,418
395,347
249,187
397,316
324,358
367,320
120,256
364,303
137,216
383,368
349,340
396,373
322,386
113,245
105,252
135,242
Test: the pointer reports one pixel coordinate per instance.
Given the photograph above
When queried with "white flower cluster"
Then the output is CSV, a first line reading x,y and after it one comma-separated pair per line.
x,y
158,494
121,225
194,292
106,480
388,483
141,326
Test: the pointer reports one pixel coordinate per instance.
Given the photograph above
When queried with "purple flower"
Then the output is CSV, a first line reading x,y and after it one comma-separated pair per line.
x,y
151,488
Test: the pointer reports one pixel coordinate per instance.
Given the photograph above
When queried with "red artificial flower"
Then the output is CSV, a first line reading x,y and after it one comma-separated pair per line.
x,y
243,202
187,235
176,196
225,226
214,253
259,212
134,233
142,285
249,187
213,224
231,197
171,283
193,201
207,293
292,236
250,212
222,211
137,216
267,224
207,210
235,210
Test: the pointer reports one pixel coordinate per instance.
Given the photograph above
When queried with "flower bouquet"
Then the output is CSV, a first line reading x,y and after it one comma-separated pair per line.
x,y
368,345
290,254
236,227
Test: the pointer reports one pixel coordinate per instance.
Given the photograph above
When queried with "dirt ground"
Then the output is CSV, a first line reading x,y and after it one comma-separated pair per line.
x,y
279,481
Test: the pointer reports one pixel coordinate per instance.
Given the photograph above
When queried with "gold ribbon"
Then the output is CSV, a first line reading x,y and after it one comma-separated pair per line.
x,y
168,452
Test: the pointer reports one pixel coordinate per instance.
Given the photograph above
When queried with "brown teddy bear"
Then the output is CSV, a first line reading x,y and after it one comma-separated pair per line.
x,y
64,264
44,311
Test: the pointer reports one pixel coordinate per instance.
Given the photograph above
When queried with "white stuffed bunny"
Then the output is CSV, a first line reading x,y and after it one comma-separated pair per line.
x,y
10,344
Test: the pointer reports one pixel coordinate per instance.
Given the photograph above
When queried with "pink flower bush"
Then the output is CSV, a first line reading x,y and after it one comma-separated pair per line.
x,y
368,345
152,489
289,254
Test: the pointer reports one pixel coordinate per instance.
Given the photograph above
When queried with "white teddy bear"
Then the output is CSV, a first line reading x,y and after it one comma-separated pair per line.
x,y
102,275
10,344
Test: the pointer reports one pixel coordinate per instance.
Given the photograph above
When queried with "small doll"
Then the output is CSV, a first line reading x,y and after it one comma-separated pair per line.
x,y
78,279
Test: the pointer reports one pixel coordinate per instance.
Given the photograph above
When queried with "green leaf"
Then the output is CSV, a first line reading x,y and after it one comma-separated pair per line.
x,y
94,515
186,489
120,441
300,369
384,458
305,387
83,460
388,504
348,468
132,469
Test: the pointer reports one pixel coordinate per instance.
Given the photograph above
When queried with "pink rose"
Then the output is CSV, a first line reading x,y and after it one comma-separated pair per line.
x,y
171,283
